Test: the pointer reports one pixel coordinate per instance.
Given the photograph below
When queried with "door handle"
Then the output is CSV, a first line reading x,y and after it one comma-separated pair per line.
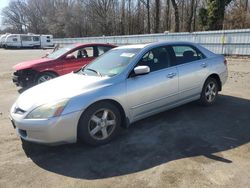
x,y
204,65
171,75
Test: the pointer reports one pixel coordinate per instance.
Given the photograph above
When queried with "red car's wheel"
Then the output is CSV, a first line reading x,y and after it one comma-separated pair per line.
x,y
43,77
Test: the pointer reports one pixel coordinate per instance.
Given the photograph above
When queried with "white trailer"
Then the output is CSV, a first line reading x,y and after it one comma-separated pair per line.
x,y
46,41
28,41
2,39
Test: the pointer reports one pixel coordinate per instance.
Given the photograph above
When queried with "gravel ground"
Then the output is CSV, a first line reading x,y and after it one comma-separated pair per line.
x,y
189,146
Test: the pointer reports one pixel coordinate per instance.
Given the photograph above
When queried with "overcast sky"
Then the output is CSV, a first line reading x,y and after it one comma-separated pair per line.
x,y
3,3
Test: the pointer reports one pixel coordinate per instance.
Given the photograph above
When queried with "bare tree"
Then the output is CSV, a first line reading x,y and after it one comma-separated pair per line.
x,y
78,18
139,18
147,5
123,18
167,15
176,13
157,16
245,10
190,16
13,16
195,14
101,11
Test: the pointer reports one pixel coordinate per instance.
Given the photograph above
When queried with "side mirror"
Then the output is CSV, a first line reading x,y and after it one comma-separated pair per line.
x,y
70,56
140,70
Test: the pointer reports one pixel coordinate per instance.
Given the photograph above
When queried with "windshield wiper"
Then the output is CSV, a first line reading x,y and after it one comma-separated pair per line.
x,y
95,71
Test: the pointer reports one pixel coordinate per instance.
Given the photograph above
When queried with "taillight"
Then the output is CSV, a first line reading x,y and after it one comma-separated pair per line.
x,y
225,62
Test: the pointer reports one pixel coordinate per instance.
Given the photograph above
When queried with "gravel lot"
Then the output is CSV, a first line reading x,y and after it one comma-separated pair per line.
x,y
190,146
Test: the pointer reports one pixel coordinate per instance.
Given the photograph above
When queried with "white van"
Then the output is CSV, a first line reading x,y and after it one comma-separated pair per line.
x,y
28,41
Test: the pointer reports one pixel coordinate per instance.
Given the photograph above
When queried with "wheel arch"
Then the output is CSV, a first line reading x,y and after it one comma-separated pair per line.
x,y
124,119
217,78
49,71
44,72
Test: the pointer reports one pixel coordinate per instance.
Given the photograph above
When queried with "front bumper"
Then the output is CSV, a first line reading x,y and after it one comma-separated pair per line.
x,y
24,78
62,129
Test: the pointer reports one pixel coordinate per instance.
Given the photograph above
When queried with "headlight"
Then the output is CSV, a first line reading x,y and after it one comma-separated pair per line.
x,y
48,110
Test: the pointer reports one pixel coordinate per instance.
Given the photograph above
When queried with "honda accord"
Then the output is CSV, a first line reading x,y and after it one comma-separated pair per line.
x,y
124,85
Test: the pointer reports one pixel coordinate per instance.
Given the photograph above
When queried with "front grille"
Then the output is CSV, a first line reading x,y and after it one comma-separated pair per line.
x,y
24,78
16,77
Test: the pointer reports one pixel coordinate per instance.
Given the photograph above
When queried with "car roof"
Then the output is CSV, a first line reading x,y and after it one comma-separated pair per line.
x,y
140,46
132,46
94,44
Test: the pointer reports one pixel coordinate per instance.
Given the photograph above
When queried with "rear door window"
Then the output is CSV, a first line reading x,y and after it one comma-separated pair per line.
x,y
90,51
186,54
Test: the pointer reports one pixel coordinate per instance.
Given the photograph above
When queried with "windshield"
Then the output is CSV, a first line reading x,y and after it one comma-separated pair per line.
x,y
60,52
111,63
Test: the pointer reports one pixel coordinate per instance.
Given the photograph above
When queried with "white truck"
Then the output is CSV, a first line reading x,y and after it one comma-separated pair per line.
x,y
28,41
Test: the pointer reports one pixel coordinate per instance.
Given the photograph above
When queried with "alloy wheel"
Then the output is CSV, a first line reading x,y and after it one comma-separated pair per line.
x,y
44,78
101,124
210,92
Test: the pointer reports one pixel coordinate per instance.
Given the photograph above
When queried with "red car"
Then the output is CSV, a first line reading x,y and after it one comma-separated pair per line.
x,y
60,62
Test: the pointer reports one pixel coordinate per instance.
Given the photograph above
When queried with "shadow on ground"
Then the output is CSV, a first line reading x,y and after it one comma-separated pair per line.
x,y
190,130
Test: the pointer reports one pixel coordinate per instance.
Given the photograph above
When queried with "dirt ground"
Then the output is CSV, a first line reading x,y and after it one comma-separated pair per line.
x,y
190,146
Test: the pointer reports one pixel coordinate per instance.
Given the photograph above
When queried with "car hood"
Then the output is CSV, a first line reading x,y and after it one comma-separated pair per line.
x,y
63,87
31,63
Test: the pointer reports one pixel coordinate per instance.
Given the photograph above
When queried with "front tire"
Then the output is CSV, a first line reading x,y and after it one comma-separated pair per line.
x,y
43,77
99,124
209,92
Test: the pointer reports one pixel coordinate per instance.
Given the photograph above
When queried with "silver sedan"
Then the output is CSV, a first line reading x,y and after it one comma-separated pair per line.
x,y
122,86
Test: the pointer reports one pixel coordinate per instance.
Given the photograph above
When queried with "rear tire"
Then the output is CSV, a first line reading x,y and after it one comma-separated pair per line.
x,y
209,92
99,124
43,77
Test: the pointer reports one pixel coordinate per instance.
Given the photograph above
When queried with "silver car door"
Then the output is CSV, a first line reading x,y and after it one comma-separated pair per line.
x,y
193,69
150,93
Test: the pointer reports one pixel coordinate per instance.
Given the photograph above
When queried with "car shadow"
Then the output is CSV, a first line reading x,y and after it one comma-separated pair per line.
x,y
187,131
